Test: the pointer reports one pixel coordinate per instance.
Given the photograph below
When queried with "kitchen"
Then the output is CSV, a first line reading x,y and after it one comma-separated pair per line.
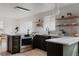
x,y
60,23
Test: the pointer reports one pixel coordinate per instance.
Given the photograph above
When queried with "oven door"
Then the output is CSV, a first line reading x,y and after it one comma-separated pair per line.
x,y
26,41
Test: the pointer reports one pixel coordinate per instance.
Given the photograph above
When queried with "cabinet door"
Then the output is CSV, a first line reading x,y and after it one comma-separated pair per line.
x,y
16,44
35,42
78,48
39,42
54,49
9,43
44,43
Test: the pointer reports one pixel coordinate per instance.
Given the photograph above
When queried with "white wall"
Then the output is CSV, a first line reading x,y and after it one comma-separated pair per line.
x,y
74,9
9,25
1,25
24,24
45,17
31,21
49,21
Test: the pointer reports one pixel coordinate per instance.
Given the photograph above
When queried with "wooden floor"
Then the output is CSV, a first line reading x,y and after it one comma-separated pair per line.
x,y
33,52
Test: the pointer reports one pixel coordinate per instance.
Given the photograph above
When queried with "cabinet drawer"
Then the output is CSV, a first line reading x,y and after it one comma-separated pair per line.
x,y
16,37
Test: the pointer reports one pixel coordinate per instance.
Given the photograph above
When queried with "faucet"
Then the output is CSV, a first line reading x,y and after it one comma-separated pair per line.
x,y
47,29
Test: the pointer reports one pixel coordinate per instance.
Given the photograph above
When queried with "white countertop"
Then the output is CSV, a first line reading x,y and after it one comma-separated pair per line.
x,y
64,40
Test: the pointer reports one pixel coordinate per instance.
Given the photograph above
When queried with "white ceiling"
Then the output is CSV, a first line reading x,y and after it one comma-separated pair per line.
x,y
8,10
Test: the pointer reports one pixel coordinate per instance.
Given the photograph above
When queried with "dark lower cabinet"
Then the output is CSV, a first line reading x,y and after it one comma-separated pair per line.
x,y
34,42
54,49
78,48
13,44
39,42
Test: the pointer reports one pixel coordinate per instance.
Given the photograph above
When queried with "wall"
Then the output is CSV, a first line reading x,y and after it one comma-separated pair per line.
x,y
45,17
48,19
31,20
25,24
74,9
9,25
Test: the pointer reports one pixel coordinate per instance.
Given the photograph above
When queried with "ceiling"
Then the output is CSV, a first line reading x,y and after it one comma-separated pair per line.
x,y
8,10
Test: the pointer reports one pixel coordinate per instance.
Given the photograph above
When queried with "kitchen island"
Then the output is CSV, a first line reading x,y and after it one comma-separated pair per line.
x,y
64,46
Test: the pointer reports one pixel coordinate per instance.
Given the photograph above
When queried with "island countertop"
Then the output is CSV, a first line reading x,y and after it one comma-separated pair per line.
x,y
64,40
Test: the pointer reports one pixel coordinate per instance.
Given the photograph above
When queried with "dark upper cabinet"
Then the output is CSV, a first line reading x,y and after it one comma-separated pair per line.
x,y
13,44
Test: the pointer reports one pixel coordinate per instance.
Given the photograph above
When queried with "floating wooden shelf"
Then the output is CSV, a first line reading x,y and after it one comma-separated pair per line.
x,y
74,34
68,17
70,25
67,25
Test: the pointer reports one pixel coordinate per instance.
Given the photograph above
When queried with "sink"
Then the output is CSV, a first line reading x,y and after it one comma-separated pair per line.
x,y
55,37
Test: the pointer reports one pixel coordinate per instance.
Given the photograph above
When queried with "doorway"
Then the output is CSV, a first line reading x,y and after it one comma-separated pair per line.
x,y
3,44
